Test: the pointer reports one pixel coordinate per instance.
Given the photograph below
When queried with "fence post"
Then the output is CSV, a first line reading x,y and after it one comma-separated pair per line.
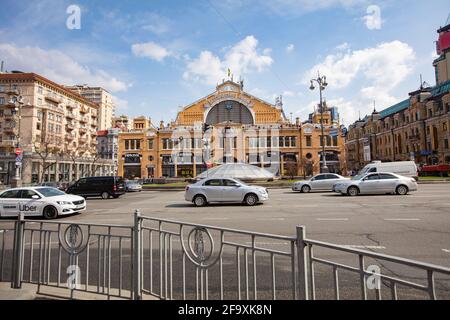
x,y
137,275
17,252
302,264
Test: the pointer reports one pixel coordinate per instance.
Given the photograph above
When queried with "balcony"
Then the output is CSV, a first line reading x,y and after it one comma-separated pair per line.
x,y
12,92
83,130
8,144
70,126
82,141
83,109
70,137
84,120
70,115
53,97
94,114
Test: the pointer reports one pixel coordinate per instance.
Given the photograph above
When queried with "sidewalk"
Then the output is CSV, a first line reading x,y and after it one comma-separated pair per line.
x,y
27,292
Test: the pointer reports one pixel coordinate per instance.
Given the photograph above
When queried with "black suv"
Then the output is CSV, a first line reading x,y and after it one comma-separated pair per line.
x,y
105,187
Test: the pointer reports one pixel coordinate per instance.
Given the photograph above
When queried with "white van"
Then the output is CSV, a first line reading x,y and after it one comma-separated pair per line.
x,y
403,168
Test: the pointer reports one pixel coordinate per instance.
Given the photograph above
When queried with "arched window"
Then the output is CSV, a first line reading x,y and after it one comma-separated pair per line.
x,y
229,110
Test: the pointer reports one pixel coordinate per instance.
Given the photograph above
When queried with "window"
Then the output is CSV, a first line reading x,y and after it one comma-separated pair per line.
x,y
2,101
167,144
385,176
134,144
150,144
230,183
213,183
308,141
2,89
11,194
28,194
38,126
40,90
373,177
320,177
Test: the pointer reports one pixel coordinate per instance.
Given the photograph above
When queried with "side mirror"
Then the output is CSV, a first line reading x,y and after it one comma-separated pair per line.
x,y
36,197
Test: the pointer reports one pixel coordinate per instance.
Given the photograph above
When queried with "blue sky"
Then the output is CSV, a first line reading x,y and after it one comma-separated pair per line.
x,y
156,56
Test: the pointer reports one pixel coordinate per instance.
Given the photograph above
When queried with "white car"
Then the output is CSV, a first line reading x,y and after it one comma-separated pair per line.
x,y
321,182
39,202
225,191
377,183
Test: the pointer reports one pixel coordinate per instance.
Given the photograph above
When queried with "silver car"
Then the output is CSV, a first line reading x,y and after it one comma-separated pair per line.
x,y
377,183
132,186
225,191
321,182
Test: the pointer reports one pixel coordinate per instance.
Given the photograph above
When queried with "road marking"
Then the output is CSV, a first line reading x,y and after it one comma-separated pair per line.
x,y
446,250
402,219
332,219
271,219
365,247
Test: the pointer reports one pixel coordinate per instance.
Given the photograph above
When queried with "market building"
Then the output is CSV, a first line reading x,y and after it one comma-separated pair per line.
x,y
231,126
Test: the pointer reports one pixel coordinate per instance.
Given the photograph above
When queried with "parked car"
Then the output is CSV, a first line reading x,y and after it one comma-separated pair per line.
x,y
377,183
39,201
56,185
105,187
133,186
224,191
321,182
403,168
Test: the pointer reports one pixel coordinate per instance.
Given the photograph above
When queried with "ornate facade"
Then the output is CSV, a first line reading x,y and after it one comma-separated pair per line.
x,y
226,126
417,128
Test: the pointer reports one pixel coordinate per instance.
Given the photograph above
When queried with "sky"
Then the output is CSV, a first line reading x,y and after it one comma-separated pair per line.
x,y
157,56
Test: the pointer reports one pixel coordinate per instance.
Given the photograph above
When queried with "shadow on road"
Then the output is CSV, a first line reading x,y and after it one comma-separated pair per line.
x,y
190,205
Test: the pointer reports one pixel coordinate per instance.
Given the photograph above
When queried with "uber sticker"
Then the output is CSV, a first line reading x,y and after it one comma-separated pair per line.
x,y
26,208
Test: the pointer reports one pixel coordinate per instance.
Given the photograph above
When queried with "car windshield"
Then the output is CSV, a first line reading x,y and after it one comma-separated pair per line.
x,y
358,177
50,192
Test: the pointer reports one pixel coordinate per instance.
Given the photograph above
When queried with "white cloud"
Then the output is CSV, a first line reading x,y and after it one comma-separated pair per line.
x,y
370,75
241,59
121,104
385,65
57,66
150,50
290,48
373,18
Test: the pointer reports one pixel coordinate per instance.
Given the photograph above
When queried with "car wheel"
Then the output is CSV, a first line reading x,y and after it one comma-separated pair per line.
x,y
50,212
306,189
353,191
199,201
402,190
105,195
251,199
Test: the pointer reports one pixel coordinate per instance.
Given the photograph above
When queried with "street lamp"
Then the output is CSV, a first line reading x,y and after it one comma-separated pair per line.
x,y
17,102
322,82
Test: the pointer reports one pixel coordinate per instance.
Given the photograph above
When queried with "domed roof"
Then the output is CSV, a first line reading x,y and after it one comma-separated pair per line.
x,y
241,171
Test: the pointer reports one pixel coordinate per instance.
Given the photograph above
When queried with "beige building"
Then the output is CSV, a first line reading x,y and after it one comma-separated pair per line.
x,y
55,128
417,128
240,128
104,100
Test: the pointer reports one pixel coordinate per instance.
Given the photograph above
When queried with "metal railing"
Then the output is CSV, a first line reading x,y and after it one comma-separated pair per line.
x,y
167,259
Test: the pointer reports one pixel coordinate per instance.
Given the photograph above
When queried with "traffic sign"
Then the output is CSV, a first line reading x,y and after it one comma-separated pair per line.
x,y
18,151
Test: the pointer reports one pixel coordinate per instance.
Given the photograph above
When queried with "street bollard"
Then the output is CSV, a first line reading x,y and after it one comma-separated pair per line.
x,y
137,243
17,252
302,265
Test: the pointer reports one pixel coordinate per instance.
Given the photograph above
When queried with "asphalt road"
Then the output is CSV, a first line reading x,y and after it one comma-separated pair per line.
x,y
416,226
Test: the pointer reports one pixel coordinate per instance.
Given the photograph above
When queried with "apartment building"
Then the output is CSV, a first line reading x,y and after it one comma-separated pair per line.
x,y
104,100
417,128
55,128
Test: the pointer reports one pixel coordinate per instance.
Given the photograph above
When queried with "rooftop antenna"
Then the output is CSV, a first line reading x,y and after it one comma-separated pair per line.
x,y
374,107
1,66
359,112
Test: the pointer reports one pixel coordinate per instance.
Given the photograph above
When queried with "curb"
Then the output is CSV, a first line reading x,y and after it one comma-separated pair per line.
x,y
8,293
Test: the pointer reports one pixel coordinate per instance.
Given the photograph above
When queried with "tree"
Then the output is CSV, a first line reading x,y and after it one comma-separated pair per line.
x,y
45,148
291,169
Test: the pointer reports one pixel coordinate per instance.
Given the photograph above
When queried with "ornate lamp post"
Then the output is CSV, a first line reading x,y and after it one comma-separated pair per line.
x,y
322,82
17,102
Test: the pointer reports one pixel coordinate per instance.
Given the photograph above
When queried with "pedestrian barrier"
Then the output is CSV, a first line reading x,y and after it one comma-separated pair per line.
x,y
168,259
